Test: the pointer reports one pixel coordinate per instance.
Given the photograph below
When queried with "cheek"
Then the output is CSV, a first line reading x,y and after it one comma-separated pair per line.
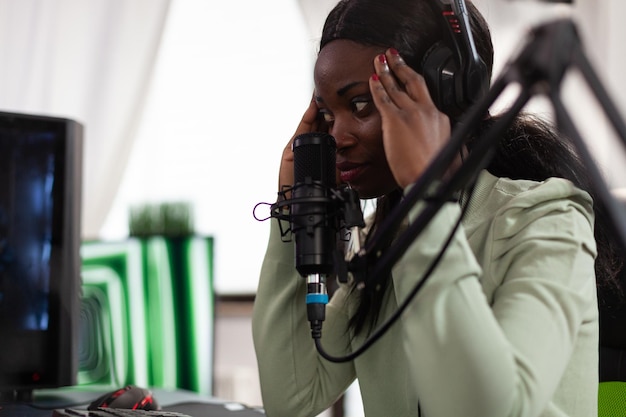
x,y
371,137
383,181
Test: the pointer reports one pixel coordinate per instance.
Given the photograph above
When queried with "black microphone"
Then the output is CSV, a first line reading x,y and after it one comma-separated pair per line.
x,y
314,216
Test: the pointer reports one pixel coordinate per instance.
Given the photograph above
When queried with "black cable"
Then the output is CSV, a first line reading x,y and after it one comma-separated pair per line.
x,y
466,174
316,332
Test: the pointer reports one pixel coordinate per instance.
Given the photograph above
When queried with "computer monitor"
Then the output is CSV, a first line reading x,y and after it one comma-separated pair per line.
x,y
40,215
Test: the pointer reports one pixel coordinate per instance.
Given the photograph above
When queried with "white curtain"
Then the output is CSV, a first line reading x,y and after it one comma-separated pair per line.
x,y
90,61
230,85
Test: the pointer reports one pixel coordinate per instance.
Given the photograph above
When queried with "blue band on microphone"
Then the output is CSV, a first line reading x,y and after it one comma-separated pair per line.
x,y
317,298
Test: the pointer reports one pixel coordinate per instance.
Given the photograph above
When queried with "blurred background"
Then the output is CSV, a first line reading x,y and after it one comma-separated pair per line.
x,y
192,101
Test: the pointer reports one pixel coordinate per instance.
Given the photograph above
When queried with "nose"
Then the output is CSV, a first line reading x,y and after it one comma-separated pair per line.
x,y
342,131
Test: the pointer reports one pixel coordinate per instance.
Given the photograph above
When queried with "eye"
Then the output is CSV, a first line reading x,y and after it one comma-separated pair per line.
x,y
327,116
361,106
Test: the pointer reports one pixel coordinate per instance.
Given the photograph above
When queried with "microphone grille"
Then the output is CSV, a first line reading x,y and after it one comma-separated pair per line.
x,y
314,157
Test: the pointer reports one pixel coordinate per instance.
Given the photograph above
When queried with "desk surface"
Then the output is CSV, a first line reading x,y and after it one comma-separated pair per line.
x,y
186,402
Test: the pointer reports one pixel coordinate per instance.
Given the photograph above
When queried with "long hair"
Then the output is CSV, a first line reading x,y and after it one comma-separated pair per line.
x,y
529,149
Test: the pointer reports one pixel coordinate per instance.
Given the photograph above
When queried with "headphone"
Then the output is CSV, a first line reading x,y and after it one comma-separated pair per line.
x,y
455,74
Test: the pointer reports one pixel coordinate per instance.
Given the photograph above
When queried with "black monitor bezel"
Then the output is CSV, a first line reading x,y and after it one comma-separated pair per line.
x,y
60,341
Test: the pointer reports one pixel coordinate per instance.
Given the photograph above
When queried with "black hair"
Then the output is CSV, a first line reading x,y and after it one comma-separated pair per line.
x,y
529,149
409,26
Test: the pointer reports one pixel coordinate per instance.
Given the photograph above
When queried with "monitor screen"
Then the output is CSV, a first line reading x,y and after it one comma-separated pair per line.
x,y
40,200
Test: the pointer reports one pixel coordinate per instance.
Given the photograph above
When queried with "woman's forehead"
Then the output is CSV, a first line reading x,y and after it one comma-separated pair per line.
x,y
343,58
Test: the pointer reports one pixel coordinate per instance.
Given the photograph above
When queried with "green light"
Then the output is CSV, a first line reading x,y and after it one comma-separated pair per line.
x,y
151,313
161,314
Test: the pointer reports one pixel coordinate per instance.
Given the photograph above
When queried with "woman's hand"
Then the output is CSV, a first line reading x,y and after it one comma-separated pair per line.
x,y
414,130
310,122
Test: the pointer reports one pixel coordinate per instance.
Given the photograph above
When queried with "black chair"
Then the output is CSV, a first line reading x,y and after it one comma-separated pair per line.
x,y
612,308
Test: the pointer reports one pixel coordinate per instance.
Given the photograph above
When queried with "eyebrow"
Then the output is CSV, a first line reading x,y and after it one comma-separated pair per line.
x,y
342,91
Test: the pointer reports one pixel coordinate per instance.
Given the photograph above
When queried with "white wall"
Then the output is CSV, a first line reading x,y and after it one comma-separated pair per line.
x,y
602,35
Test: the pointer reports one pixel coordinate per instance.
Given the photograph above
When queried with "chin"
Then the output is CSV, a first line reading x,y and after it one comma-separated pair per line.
x,y
368,188
369,193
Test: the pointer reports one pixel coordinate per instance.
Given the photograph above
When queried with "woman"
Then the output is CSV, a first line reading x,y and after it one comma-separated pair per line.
x,y
507,324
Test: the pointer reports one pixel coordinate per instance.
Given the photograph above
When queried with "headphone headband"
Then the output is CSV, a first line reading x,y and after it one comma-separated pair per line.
x,y
455,74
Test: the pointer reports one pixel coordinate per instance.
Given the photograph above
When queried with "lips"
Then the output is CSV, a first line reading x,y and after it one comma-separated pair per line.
x,y
349,171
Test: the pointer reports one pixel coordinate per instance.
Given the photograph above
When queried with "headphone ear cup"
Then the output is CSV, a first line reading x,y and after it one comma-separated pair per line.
x,y
439,70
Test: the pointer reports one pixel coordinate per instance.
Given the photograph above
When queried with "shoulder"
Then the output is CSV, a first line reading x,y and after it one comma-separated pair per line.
x,y
503,196
519,226
514,211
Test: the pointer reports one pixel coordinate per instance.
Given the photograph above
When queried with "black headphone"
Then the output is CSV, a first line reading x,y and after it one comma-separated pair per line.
x,y
455,74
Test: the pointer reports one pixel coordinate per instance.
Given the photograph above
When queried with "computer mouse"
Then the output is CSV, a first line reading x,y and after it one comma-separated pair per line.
x,y
130,397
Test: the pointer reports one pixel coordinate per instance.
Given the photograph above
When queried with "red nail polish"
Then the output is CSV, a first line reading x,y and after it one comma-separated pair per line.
x,y
375,77
382,58
393,51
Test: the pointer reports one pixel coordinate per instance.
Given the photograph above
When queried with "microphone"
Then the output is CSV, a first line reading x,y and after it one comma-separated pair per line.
x,y
316,211
315,217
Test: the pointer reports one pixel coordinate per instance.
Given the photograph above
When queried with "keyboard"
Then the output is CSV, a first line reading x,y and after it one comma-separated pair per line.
x,y
186,409
115,412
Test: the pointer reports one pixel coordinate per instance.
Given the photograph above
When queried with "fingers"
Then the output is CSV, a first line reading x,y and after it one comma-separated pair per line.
x,y
310,117
395,83
309,123
414,130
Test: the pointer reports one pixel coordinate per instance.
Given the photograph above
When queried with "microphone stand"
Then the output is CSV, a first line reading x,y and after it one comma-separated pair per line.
x,y
539,68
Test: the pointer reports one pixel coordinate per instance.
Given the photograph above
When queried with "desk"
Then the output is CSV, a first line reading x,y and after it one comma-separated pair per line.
x,y
188,402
